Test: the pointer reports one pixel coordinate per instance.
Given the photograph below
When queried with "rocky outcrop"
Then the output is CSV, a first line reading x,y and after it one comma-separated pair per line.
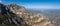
x,y
2,9
23,18
7,17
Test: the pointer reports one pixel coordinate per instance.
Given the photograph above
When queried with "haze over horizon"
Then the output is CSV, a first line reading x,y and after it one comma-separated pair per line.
x,y
44,4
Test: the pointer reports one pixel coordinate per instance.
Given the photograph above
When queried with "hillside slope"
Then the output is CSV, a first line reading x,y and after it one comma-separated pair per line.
x,y
14,15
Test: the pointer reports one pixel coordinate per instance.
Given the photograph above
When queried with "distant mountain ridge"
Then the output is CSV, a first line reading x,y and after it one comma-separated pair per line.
x,y
44,10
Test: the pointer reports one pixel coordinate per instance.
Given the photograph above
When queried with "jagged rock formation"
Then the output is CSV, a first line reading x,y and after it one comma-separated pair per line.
x,y
23,18
8,18
2,9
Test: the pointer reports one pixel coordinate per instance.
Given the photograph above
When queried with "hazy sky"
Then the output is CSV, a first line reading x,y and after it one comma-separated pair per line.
x,y
50,4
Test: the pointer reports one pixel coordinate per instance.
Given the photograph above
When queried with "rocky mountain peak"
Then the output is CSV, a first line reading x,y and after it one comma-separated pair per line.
x,y
17,15
15,8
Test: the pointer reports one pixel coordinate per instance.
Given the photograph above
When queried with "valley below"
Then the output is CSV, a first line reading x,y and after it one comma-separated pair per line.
x,y
52,14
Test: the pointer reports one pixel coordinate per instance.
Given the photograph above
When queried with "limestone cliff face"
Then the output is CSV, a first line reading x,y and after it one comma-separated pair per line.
x,y
8,16
25,18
